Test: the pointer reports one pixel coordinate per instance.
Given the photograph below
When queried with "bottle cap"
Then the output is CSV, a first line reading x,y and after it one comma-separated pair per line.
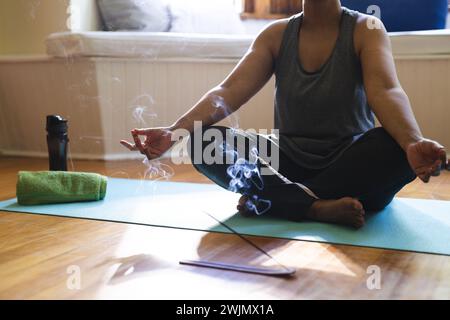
x,y
56,124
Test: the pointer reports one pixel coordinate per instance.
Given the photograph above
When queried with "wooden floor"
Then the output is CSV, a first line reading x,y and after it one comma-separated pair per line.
x,y
132,262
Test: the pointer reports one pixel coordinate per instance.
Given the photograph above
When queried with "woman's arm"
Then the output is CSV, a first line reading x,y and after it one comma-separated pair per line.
x,y
249,76
384,92
390,102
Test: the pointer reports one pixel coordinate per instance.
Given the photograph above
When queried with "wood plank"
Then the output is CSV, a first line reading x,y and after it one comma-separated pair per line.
x,y
122,261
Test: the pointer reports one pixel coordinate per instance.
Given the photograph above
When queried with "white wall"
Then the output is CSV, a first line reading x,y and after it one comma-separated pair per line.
x,y
24,24
84,15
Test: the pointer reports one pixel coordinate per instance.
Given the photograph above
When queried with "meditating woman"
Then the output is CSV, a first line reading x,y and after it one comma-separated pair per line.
x,y
334,69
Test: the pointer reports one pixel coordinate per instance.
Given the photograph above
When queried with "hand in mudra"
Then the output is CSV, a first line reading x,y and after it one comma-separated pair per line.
x,y
157,142
427,158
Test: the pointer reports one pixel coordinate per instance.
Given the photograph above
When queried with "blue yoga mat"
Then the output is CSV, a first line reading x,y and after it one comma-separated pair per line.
x,y
407,224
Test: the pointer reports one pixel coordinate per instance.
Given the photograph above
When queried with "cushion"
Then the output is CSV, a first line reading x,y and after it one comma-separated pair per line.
x,y
406,15
208,46
205,16
135,15
161,45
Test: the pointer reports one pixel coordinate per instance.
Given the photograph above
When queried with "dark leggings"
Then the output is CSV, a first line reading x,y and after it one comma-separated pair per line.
x,y
372,170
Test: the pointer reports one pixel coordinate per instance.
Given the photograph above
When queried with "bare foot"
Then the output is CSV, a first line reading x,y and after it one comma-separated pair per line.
x,y
346,211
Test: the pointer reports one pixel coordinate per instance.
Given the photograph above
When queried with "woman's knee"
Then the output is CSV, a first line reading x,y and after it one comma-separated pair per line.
x,y
390,154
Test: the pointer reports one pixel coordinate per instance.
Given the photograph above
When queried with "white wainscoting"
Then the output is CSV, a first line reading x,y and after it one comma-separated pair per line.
x,y
102,98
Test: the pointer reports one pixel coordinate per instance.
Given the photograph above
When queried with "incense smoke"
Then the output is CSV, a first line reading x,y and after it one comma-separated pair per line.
x,y
245,175
143,113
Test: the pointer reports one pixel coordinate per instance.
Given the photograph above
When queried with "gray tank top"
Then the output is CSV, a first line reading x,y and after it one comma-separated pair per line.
x,y
319,115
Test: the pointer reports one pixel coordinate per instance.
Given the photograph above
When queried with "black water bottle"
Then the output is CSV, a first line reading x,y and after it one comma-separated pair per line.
x,y
57,140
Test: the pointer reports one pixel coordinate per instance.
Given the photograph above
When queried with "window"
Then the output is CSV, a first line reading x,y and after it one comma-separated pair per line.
x,y
270,9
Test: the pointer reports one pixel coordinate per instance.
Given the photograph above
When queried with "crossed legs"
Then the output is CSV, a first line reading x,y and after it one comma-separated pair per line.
x,y
365,178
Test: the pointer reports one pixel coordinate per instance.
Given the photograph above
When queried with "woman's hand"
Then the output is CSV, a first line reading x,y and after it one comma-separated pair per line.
x,y
157,142
426,158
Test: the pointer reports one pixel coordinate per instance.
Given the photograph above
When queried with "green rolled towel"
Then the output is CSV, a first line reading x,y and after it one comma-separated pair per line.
x,y
48,187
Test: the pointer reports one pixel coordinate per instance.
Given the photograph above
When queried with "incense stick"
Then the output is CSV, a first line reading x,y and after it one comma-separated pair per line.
x,y
285,271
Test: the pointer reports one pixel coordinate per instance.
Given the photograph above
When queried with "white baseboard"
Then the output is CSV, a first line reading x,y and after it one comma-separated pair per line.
x,y
86,156
74,156
25,154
